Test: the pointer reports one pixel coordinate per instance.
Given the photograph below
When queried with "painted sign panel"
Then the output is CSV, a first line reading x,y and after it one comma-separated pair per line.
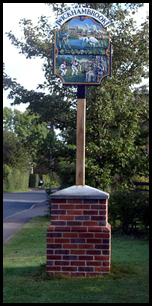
x,y
82,53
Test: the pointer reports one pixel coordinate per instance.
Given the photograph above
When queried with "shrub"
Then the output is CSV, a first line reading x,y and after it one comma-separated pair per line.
x,y
51,180
48,179
128,209
14,178
7,177
66,172
33,180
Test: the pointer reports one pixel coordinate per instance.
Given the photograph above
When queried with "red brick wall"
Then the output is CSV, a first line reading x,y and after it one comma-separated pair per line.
x,y
79,238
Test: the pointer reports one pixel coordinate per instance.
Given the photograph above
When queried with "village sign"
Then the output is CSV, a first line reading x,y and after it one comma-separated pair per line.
x,y
82,49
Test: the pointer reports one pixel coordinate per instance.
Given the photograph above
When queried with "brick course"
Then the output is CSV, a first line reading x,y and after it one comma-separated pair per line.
x,y
79,238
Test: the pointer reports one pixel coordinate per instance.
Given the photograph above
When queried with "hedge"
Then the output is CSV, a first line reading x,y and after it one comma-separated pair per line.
x,y
15,179
48,179
129,210
33,180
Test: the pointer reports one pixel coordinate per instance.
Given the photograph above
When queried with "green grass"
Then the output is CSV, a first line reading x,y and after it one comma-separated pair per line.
x,y
25,279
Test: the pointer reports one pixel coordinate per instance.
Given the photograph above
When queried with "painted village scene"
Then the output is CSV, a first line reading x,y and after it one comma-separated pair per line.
x,y
82,51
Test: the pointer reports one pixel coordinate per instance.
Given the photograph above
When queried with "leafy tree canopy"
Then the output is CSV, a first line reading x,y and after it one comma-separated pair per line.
x,y
25,130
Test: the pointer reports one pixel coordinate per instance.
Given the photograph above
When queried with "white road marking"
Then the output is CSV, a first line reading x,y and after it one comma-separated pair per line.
x,y
22,211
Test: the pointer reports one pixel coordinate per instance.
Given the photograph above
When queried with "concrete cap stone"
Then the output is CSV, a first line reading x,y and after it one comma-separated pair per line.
x,y
80,192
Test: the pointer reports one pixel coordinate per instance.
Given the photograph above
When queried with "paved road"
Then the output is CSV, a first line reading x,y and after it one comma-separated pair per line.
x,y
19,208
17,202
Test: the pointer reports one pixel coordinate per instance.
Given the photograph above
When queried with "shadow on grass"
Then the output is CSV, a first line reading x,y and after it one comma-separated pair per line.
x,y
38,273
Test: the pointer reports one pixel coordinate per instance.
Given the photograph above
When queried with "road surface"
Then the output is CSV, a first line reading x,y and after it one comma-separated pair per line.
x,y
19,208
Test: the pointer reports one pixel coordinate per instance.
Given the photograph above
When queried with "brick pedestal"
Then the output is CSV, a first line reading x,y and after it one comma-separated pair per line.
x,y
79,238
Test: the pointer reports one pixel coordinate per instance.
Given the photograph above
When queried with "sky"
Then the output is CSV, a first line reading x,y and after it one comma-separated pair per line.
x,y
28,72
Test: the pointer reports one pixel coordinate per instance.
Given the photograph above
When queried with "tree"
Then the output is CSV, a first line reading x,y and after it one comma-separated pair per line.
x,y
36,138
7,119
115,144
14,153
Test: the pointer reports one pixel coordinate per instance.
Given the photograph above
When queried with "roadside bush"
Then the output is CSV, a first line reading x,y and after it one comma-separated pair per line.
x,y
7,177
129,210
34,180
15,179
20,178
48,179
66,172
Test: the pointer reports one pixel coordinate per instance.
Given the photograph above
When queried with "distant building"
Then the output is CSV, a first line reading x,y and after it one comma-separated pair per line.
x,y
73,30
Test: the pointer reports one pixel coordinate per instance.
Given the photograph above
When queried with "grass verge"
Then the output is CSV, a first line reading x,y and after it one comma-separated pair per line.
x,y
25,279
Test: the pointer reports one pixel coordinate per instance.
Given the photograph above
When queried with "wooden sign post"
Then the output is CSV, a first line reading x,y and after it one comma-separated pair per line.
x,y
80,152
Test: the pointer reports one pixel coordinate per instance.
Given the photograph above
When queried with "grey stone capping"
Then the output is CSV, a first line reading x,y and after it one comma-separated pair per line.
x,y
80,192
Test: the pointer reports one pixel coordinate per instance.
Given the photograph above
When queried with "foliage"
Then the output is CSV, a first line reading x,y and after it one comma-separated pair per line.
x,y
48,180
7,177
115,143
129,210
26,143
14,153
36,138
15,178
117,114
15,160
66,167
33,180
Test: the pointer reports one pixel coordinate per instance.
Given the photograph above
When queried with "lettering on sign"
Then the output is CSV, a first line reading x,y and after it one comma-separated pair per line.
x,y
81,11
